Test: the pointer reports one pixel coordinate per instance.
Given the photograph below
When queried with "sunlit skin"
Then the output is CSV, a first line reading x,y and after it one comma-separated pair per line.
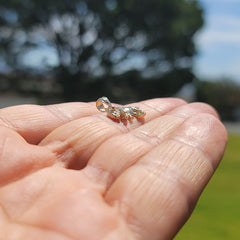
x,y
68,172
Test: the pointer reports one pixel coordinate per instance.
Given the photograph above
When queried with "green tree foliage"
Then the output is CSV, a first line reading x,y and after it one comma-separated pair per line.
x,y
224,95
126,49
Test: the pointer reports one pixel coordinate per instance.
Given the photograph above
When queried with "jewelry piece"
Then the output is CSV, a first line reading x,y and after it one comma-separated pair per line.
x,y
104,105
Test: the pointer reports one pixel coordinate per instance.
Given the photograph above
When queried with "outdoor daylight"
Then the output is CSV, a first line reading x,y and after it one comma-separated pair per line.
x,y
119,119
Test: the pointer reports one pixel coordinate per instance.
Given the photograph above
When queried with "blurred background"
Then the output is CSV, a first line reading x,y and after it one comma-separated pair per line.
x,y
129,50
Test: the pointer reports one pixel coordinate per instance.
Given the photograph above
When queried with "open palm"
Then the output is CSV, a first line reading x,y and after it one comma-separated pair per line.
x,y
69,172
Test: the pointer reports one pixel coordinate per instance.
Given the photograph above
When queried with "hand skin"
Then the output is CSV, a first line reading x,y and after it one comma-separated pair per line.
x,y
68,172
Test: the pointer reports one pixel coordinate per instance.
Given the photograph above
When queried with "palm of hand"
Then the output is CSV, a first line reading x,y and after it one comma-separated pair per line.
x,y
68,172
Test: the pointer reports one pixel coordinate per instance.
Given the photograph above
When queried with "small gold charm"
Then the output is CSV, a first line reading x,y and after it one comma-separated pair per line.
x,y
121,113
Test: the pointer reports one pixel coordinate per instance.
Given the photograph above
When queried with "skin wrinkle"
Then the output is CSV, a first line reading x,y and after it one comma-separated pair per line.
x,y
4,141
151,140
178,184
108,173
110,227
69,144
138,122
35,202
110,123
192,109
58,114
121,127
137,227
209,162
121,132
160,110
111,234
111,177
102,142
27,172
61,149
143,137
131,220
44,229
206,157
203,160
62,108
7,217
191,155
36,198
58,111
22,224
29,206
10,124
210,122
99,174
171,175
41,117
6,123
156,138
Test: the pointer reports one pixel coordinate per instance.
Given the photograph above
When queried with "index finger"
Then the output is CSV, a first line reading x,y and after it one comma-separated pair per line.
x,y
34,122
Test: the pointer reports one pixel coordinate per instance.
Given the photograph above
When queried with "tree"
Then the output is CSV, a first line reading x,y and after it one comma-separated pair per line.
x,y
224,95
99,42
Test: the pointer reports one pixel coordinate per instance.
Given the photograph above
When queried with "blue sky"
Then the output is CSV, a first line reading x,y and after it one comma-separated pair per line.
x,y
218,43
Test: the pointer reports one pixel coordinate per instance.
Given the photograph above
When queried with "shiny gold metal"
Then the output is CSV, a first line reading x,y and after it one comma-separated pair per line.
x,y
104,105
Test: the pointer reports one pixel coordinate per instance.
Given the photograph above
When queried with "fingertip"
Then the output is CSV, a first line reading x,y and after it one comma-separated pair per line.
x,y
192,109
205,108
206,133
164,104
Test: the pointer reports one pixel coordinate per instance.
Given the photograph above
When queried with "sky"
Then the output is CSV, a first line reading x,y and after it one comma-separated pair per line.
x,y
218,42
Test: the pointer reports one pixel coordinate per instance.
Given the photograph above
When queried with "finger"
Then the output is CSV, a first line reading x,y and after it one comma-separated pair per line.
x,y
157,194
18,158
155,108
34,122
122,151
75,142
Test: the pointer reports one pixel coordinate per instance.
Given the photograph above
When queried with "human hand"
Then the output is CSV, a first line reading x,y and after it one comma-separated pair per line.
x,y
69,172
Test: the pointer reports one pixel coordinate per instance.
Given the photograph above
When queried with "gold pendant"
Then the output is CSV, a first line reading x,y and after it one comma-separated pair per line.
x,y
121,113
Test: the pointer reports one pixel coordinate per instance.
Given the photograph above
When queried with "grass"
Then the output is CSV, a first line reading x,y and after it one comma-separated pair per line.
x,y
217,215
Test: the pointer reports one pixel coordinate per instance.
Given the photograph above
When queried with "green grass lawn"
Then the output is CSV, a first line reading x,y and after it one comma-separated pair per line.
x,y
217,215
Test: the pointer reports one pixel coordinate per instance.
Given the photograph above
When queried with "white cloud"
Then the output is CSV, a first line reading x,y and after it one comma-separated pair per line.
x,y
218,64
218,42
228,20
218,37
220,29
